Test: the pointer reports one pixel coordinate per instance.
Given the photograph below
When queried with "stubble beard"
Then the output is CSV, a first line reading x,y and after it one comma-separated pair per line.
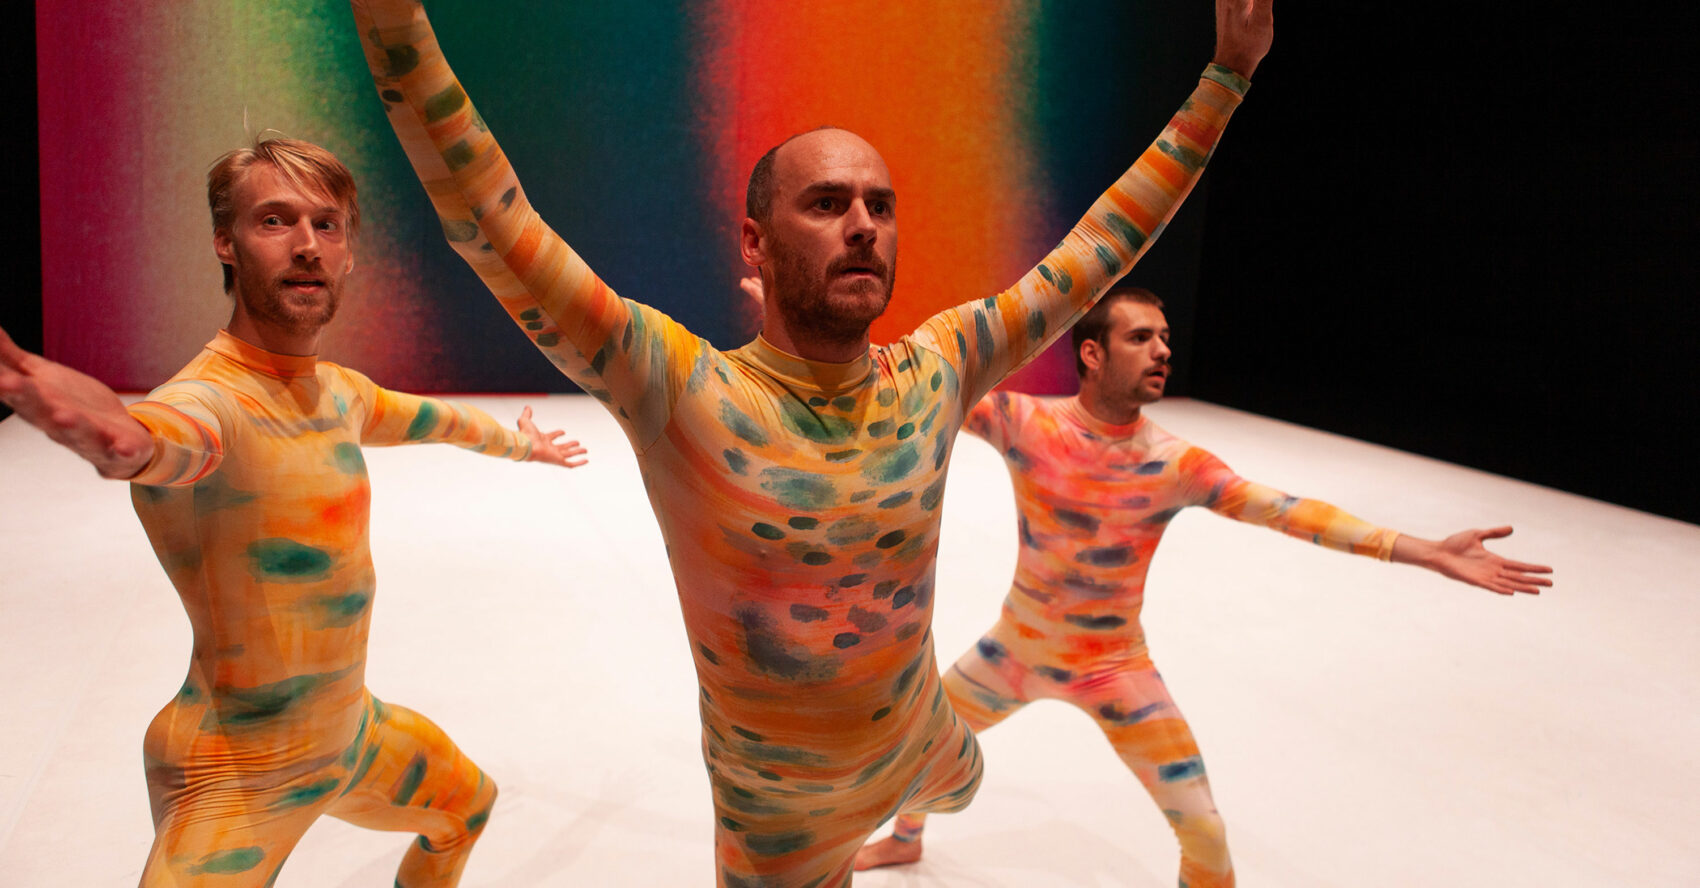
x,y
272,302
811,309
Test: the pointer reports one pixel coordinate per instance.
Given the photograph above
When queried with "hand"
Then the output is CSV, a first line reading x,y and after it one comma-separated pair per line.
x,y
75,410
544,447
752,288
1462,557
1244,30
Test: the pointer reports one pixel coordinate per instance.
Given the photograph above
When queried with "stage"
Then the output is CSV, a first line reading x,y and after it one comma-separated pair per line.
x,y
1365,725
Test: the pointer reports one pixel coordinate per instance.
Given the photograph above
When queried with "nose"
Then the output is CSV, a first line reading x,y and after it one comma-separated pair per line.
x,y
305,242
859,224
1161,350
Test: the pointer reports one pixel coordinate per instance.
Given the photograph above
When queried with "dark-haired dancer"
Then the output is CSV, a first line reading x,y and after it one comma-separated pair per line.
x,y
1096,484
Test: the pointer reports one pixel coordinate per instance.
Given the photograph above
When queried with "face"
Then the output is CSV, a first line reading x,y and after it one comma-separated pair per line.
x,y
289,250
830,241
1133,364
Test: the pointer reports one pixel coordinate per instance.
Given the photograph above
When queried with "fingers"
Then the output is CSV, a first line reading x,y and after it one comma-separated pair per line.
x,y
752,288
1496,533
1528,568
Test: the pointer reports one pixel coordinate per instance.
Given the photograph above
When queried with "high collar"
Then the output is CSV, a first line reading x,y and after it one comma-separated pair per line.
x,y
823,376
256,358
1084,418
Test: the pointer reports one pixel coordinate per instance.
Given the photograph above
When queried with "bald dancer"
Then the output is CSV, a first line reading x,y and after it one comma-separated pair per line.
x,y
1096,485
796,480
247,475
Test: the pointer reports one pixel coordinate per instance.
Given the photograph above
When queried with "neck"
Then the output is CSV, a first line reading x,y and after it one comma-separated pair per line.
x,y
806,345
271,337
1114,412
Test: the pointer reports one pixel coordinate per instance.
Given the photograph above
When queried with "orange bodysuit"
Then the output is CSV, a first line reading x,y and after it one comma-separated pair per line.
x,y
256,503
799,500
1093,500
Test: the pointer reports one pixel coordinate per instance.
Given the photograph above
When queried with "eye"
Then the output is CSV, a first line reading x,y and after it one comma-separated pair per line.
x,y
272,219
329,225
825,204
880,208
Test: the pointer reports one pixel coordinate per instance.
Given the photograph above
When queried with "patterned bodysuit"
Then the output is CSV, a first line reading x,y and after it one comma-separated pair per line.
x,y
799,500
256,503
1093,501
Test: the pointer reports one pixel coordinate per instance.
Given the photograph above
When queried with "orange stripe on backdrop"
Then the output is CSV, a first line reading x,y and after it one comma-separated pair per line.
x,y
939,88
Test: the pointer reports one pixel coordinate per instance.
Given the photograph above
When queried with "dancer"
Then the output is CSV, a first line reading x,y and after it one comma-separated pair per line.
x,y
797,480
247,475
1096,485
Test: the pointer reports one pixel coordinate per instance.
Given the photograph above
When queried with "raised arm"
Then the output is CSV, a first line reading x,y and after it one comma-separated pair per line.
x,y
633,358
74,409
990,338
1460,557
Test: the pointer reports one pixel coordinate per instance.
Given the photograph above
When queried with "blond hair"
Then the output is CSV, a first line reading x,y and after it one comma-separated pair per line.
x,y
304,165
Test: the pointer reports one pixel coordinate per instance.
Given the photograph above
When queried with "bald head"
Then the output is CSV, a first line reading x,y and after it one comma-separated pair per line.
x,y
803,152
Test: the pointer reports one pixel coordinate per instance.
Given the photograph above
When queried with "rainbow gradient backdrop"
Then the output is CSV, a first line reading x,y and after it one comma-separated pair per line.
x,y
634,126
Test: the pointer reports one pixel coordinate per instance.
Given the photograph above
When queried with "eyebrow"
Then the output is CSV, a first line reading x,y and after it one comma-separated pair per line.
x,y
286,205
832,185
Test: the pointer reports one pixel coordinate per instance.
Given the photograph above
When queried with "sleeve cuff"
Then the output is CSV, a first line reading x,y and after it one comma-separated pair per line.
x,y
1225,76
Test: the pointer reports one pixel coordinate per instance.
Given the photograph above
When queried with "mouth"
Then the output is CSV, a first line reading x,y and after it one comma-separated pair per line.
x,y
304,284
858,267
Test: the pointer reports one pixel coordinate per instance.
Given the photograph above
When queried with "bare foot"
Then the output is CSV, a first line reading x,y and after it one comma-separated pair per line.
x,y
888,852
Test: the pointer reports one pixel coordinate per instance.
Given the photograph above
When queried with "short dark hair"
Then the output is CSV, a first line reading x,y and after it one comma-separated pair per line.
x,y
758,195
1095,325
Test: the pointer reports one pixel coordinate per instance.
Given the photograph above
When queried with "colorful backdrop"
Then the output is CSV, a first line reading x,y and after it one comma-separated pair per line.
x,y
634,127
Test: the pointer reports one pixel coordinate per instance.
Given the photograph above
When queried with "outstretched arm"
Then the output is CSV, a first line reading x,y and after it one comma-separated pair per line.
x,y
631,357
74,409
1462,557
988,339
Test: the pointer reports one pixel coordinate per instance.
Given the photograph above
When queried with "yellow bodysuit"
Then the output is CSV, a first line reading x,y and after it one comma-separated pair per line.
x,y
799,500
256,503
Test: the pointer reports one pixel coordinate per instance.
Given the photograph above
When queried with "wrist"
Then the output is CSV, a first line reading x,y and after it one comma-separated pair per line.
x,y
1408,549
1243,66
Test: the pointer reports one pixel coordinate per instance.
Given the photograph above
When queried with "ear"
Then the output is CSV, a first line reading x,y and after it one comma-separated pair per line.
x,y
1092,354
752,243
224,246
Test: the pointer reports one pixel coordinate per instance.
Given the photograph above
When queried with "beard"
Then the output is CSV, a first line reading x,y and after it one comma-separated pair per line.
x,y
808,305
276,303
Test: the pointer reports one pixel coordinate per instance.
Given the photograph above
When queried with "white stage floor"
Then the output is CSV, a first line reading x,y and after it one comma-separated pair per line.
x,y
1364,724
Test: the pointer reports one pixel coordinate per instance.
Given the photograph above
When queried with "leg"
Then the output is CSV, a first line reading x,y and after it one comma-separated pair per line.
x,y
226,811
220,835
984,688
412,778
1134,708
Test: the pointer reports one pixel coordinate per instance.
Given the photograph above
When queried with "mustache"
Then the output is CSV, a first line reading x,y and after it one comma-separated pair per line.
x,y
861,259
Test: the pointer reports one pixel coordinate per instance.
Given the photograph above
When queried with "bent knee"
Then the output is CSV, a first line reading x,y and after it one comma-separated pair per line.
x,y
1203,836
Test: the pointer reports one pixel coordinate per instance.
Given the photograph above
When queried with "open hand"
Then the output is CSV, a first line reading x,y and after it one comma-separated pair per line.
x,y
1462,557
74,409
1244,31
545,447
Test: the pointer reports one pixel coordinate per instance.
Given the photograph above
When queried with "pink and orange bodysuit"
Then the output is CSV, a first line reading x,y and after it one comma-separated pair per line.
x,y
1093,500
256,503
799,500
